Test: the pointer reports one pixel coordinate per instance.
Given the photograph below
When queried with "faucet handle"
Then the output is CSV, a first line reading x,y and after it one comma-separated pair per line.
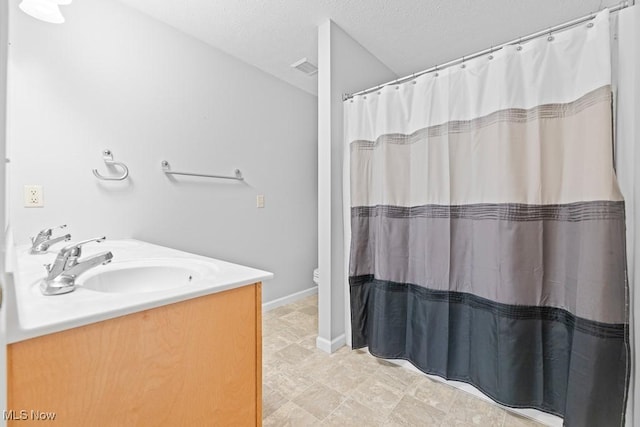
x,y
41,243
46,233
75,248
47,267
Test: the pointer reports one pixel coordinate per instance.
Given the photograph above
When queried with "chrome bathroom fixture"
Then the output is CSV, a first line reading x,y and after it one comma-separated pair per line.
x,y
41,243
66,267
166,168
107,156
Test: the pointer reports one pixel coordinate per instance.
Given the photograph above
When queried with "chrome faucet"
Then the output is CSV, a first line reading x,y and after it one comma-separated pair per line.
x,y
66,267
41,243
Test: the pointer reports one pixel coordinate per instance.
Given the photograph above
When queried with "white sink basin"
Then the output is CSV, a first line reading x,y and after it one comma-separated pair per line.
x,y
141,276
150,275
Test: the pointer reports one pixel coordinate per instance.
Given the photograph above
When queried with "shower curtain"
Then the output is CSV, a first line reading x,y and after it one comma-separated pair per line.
x,y
487,227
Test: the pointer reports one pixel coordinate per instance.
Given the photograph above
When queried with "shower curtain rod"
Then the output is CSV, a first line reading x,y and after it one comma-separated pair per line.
x,y
492,49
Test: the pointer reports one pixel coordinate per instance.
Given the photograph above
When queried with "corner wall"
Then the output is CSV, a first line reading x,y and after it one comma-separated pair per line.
x,y
112,77
627,161
344,66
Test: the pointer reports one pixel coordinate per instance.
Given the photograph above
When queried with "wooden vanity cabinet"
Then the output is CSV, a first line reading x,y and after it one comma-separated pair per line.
x,y
192,363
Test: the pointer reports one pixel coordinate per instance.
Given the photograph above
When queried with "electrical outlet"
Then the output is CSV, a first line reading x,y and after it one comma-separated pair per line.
x,y
33,196
260,201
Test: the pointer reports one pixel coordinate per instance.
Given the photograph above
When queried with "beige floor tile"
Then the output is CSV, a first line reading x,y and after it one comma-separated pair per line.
x,y
338,354
353,414
310,300
376,395
514,420
384,362
451,421
397,376
302,303
412,412
273,325
297,333
342,351
313,299
268,315
317,364
319,400
293,353
301,320
474,411
362,361
432,393
290,415
320,363
311,310
271,401
274,343
309,342
280,311
288,382
341,378
272,363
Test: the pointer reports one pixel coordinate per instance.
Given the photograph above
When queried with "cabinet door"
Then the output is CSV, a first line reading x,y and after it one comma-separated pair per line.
x,y
195,362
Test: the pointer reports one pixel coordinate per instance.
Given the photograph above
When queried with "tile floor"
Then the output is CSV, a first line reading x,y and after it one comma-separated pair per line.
x,y
304,386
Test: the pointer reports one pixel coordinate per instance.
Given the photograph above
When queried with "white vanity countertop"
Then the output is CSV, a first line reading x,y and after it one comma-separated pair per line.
x,y
33,314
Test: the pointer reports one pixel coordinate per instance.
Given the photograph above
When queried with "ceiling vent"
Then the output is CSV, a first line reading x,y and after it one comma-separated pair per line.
x,y
305,66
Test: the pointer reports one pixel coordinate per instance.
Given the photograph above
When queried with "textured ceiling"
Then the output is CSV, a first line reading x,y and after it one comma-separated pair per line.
x,y
406,35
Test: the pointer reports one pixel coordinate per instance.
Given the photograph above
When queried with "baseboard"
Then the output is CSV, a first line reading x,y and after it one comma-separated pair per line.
x,y
289,299
330,346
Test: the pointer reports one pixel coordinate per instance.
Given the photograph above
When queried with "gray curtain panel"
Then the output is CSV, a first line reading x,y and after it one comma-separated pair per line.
x,y
487,228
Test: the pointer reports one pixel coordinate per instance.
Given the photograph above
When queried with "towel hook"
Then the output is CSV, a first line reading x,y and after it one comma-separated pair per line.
x,y
107,156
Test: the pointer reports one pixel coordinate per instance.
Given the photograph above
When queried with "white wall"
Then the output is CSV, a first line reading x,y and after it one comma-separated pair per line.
x,y
344,66
111,77
627,161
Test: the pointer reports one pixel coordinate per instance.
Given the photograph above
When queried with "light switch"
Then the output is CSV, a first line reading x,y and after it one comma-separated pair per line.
x,y
260,201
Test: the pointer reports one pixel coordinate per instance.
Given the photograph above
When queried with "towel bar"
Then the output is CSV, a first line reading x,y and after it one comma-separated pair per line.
x,y
166,168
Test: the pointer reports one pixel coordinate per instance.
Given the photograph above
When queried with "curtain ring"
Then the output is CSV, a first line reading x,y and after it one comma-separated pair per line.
x,y
436,74
519,48
463,64
550,38
491,53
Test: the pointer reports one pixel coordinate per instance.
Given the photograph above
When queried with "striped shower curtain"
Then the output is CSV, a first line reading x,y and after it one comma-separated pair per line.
x,y
487,227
